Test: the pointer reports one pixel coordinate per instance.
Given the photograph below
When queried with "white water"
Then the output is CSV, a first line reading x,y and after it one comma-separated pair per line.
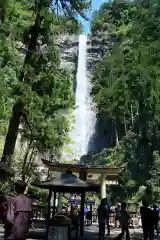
x,y
85,116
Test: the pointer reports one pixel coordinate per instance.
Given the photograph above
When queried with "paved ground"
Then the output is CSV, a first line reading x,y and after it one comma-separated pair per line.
x,y
91,233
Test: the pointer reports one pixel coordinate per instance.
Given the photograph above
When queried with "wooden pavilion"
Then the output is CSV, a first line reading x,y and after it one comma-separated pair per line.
x,y
67,182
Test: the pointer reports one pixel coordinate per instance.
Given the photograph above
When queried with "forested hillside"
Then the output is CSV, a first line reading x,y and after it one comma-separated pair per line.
x,y
126,88
35,92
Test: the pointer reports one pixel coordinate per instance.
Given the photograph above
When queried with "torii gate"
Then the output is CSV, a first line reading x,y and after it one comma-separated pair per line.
x,y
104,171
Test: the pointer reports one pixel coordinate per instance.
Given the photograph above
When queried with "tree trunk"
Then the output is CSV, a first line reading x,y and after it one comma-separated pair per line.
x,y
125,126
19,106
30,162
48,174
132,121
25,161
26,190
2,13
12,132
116,135
112,139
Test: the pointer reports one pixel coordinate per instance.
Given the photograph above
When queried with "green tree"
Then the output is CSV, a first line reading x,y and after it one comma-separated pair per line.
x,y
126,85
33,35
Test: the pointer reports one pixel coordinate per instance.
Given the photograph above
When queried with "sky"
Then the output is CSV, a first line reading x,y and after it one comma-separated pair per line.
x,y
95,5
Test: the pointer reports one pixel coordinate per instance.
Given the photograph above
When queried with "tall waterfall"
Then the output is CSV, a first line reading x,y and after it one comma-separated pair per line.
x,y
85,118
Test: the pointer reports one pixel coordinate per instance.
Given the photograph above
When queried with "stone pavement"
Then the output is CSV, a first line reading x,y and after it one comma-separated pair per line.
x,y
91,233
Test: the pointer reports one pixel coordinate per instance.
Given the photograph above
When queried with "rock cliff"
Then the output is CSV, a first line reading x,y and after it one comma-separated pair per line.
x,y
98,46
68,45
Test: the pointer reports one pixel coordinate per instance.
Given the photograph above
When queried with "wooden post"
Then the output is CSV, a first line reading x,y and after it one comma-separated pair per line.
x,y
49,212
91,213
82,214
103,186
49,203
54,203
83,175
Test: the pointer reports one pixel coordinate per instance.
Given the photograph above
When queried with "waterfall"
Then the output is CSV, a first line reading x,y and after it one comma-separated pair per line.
x,y
85,118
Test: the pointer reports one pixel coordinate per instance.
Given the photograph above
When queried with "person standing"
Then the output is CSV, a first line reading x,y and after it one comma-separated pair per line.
x,y
19,213
117,215
124,222
147,219
45,210
85,213
108,214
102,216
4,199
156,218
3,207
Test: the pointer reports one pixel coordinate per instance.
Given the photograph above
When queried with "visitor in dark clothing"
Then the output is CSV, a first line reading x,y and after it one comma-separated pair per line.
x,y
3,207
4,202
19,213
102,216
118,215
156,218
147,218
108,213
124,222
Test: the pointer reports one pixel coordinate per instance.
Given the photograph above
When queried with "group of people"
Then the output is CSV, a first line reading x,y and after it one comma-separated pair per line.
x,y
16,213
103,219
149,219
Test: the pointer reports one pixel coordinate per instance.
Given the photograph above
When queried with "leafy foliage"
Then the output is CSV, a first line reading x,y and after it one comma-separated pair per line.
x,y
31,73
126,87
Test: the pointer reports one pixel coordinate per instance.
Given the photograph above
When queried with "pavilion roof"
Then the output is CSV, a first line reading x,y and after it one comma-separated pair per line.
x,y
67,182
77,168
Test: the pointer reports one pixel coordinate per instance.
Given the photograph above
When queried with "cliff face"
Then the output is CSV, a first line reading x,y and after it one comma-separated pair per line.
x,y
97,46
68,45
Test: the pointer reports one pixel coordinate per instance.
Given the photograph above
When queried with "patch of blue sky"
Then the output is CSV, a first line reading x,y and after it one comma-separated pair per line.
x,y
95,6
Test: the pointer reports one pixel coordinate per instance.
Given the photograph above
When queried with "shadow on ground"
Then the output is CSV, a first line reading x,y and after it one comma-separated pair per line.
x,y
91,233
